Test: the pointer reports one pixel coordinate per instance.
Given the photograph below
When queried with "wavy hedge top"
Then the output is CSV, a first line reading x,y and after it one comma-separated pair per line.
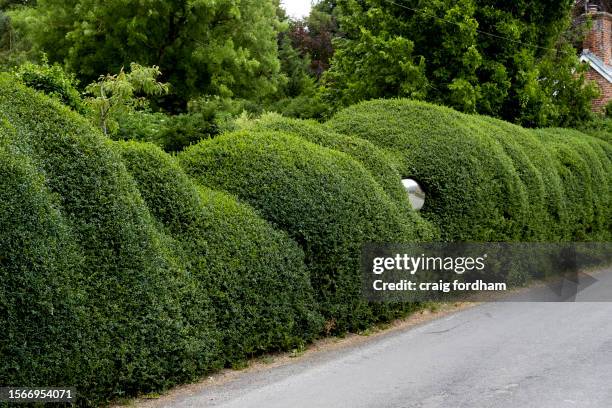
x,y
473,190
488,180
377,161
135,336
254,275
120,274
325,200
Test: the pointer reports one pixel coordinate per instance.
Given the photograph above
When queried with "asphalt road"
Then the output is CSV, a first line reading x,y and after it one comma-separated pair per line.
x,y
511,354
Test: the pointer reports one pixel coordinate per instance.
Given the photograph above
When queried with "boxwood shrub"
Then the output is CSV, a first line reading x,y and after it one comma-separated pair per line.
x,y
535,166
603,145
602,134
254,275
585,170
146,327
40,299
600,128
473,190
377,161
329,203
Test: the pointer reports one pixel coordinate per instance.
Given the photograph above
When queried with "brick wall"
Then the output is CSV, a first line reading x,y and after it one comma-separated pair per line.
x,y
599,42
605,88
599,39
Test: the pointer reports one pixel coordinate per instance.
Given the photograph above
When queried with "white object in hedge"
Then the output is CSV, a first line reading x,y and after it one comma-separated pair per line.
x,y
416,195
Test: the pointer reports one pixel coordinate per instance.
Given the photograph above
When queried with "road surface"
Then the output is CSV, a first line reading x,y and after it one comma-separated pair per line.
x,y
540,355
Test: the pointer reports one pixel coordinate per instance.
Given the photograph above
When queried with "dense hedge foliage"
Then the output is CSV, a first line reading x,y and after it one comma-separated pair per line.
x,y
121,271
584,166
118,284
488,180
52,80
136,336
254,275
329,203
548,220
473,190
39,292
377,161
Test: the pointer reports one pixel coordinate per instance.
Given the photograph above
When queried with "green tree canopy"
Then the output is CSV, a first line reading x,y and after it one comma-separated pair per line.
x,y
116,95
225,47
506,59
6,4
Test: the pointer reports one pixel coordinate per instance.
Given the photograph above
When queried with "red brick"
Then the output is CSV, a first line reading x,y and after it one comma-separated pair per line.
x,y
599,42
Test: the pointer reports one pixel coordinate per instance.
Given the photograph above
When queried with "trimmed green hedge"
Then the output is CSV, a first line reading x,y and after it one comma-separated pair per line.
x,y
549,219
329,203
605,135
254,275
488,180
120,274
136,335
377,161
40,313
601,129
585,169
474,192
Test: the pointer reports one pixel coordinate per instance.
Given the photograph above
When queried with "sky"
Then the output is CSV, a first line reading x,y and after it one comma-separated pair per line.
x,y
297,8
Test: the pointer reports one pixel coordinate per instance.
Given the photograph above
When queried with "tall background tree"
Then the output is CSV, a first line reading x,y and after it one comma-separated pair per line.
x,y
507,59
304,49
225,47
312,37
513,60
14,46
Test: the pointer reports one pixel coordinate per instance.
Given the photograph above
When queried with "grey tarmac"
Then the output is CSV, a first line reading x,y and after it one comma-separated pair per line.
x,y
494,355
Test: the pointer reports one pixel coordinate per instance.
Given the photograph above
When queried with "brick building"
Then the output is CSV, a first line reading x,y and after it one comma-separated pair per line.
x,y
597,47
